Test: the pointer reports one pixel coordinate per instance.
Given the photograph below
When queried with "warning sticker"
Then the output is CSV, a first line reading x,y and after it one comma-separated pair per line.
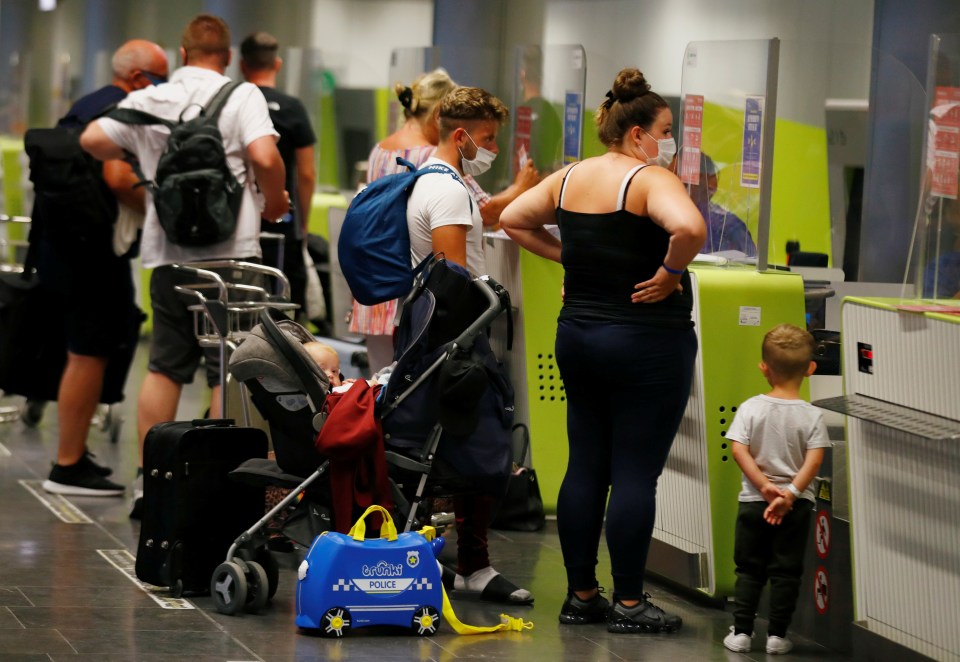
x,y
822,534
821,590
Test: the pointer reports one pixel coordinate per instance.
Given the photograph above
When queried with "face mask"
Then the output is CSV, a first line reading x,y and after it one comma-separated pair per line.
x,y
480,163
666,150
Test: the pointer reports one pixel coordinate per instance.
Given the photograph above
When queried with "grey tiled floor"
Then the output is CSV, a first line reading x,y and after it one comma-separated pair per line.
x,y
60,599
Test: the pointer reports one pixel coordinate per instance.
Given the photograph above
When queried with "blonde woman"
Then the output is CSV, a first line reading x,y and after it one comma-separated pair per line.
x,y
416,142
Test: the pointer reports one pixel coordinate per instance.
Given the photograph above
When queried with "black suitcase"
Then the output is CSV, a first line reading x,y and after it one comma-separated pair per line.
x,y
192,510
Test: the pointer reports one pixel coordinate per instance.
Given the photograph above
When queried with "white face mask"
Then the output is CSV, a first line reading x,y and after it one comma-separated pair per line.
x,y
666,150
480,163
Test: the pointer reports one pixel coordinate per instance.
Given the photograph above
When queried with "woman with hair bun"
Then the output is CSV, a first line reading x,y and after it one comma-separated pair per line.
x,y
415,141
625,342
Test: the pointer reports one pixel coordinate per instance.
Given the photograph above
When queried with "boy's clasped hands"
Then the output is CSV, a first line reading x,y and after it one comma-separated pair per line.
x,y
780,503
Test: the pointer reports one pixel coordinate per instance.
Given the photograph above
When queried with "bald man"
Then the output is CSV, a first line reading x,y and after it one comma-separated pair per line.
x,y
93,286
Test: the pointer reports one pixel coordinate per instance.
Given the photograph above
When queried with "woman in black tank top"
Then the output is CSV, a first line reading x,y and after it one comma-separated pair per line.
x,y
625,342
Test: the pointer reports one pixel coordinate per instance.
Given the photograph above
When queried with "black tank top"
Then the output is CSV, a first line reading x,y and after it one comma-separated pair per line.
x,y
605,255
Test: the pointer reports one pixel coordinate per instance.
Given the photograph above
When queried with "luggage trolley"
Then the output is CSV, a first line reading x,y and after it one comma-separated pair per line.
x,y
225,320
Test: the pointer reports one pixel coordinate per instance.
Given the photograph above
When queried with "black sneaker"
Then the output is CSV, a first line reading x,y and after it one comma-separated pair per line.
x,y
79,480
644,617
99,469
578,612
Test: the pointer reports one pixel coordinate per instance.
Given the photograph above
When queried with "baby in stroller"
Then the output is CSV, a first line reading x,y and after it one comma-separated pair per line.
x,y
446,412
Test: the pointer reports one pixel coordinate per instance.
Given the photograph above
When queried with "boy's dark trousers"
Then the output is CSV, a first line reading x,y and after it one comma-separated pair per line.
x,y
763,551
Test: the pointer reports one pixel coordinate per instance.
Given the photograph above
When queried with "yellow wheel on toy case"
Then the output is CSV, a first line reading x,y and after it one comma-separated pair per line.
x,y
426,621
335,622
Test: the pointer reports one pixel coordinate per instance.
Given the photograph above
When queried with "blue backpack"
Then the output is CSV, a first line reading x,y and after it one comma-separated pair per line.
x,y
374,244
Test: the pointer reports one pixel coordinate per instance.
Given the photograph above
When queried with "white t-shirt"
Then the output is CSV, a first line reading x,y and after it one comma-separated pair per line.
x,y
779,433
244,119
442,199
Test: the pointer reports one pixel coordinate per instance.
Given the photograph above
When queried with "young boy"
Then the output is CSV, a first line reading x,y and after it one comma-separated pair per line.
x,y
778,441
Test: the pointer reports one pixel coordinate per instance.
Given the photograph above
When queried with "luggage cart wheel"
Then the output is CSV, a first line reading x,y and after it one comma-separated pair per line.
x,y
176,589
269,563
258,587
32,411
228,586
335,622
112,422
426,620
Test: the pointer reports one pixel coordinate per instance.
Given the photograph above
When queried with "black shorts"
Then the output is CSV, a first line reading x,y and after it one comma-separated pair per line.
x,y
94,290
174,349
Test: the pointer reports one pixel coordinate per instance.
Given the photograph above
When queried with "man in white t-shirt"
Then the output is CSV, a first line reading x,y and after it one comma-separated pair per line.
x,y
441,213
444,218
250,143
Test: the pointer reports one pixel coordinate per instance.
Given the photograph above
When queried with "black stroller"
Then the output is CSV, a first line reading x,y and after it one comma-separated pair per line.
x,y
445,376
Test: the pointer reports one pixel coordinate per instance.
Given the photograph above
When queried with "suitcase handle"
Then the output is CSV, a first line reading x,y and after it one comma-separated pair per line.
x,y
388,530
213,422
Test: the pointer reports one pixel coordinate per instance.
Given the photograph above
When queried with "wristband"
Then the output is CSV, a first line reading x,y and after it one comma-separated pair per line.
x,y
675,272
793,490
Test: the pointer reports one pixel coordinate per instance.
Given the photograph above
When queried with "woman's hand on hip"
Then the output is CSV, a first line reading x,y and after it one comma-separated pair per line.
x,y
658,288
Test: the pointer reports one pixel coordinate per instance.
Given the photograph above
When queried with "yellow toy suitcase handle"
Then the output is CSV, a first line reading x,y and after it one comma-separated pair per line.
x,y
388,530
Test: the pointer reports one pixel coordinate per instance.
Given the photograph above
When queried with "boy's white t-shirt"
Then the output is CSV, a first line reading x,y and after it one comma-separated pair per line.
x,y
779,433
442,199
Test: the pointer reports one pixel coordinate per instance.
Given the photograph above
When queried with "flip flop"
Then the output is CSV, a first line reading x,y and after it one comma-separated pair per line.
x,y
499,589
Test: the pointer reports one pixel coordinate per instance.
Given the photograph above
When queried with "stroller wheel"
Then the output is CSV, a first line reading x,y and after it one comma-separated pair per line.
x,y
258,587
335,622
270,565
228,586
426,620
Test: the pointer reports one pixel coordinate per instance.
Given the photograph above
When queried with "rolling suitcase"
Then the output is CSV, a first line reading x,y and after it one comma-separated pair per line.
x,y
192,510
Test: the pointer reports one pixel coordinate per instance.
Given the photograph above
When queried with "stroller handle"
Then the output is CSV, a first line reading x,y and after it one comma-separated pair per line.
x,y
494,308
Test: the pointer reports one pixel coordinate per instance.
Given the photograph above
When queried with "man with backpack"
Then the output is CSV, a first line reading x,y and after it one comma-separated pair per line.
x,y
244,137
442,217
92,287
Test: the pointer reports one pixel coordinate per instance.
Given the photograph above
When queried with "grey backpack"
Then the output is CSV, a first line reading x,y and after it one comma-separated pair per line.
x,y
196,196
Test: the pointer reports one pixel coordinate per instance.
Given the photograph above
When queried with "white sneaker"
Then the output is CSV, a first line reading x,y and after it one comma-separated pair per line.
x,y
738,643
778,645
136,503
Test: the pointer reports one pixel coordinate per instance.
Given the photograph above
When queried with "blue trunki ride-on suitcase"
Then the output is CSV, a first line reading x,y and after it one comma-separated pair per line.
x,y
348,582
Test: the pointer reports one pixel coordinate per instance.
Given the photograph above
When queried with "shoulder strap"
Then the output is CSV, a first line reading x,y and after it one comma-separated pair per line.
x,y
563,184
625,184
440,169
139,117
219,100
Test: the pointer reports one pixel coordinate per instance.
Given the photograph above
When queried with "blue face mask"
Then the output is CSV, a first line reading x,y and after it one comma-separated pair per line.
x,y
155,79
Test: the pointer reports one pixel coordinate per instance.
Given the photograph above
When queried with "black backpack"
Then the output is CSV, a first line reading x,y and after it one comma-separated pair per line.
x,y
71,201
196,196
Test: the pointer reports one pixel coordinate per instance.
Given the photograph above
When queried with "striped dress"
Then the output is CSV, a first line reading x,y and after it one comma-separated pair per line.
x,y
378,320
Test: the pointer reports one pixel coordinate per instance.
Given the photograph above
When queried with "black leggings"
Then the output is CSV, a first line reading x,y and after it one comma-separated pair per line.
x,y
627,387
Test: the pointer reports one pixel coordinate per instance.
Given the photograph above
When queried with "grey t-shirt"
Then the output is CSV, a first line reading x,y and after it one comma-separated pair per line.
x,y
779,433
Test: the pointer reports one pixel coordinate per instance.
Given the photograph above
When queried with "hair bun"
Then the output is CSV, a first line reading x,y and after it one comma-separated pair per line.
x,y
629,84
405,95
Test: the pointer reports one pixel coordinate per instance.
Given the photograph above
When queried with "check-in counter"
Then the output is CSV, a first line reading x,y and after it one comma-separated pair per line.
x,y
901,397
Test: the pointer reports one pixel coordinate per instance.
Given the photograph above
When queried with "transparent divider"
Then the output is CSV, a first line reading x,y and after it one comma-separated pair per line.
x,y
727,116
933,270
548,106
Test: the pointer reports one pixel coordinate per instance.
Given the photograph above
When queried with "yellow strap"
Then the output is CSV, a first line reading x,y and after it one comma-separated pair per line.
x,y
388,530
507,623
